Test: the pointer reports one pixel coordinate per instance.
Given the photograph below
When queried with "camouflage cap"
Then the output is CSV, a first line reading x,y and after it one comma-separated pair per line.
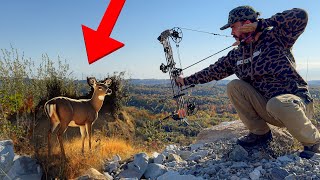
x,y
240,13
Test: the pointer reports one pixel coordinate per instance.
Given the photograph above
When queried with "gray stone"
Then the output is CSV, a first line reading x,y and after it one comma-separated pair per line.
x,y
129,173
255,174
112,166
234,178
141,160
222,131
239,165
176,176
196,146
198,155
171,164
316,156
257,155
155,155
25,167
174,157
290,177
160,159
278,173
154,170
184,154
284,159
238,154
136,168
6,155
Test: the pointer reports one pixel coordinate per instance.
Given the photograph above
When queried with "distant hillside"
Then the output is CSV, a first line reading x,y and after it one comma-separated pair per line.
x,y
314,83
151,82
166,81
148,81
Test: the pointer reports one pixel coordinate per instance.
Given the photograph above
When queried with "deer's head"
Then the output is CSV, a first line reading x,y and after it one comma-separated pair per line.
x,y
101,88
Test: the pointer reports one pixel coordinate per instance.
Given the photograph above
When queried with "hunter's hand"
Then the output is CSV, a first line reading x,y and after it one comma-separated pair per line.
x,y
179,81
248,28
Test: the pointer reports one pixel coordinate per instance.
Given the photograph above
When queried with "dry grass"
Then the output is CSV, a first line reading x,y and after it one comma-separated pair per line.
x,y
103,149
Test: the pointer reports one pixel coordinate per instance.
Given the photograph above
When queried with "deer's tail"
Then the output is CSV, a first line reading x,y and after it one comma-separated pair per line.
x,y
49,109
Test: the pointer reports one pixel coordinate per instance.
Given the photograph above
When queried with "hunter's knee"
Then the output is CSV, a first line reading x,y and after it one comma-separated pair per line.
x,y
274,106
233,85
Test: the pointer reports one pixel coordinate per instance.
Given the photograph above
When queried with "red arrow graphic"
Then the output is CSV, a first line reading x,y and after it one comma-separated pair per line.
x,y
98,43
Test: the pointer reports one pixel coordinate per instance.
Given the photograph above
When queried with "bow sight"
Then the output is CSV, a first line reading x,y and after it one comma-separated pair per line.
x,y
184,108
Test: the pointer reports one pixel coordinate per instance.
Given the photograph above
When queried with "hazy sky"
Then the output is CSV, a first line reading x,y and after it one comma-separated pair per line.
x,y
36,27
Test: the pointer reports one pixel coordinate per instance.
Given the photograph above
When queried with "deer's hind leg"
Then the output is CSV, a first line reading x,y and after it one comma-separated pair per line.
x,y
60,132
53,124
49,145
64,113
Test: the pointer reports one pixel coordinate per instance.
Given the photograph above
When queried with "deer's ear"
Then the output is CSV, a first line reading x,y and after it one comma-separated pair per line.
x,y
91,81
107,82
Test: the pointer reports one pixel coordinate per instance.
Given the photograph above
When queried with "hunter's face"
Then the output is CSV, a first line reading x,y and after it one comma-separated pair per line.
x,y
235,31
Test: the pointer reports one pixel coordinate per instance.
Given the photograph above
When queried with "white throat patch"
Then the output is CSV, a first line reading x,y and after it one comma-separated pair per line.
x,y
101,98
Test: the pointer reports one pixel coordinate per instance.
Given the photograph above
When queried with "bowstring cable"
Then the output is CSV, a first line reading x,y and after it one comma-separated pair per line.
x,y
206,32
181,99
242,41
207,57
215,34
178,52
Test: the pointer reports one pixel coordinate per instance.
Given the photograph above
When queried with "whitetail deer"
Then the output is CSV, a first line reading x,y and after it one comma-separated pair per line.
x,y
81,113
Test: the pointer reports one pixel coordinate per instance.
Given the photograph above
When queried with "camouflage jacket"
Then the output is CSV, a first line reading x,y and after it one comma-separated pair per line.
x,y
267,64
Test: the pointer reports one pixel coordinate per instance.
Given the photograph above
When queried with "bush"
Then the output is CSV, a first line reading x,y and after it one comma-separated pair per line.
x,y
25,87
119,94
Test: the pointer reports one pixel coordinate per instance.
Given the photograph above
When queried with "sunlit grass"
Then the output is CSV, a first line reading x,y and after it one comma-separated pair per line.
x,y
103,149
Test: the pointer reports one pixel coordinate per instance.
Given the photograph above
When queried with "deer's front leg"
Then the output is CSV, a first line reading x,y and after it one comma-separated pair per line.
x,y
89,128
83,136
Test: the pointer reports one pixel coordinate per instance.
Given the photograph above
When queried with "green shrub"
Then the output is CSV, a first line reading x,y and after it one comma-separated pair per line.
x,y
25,87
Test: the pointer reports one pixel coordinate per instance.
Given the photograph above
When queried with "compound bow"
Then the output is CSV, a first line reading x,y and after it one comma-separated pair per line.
x,y
184,107
189,107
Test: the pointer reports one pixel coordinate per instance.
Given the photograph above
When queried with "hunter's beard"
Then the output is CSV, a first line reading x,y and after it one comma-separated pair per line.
x,y
241,37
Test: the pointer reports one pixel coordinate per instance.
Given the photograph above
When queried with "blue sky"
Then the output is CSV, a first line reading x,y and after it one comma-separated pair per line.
x,y
36,27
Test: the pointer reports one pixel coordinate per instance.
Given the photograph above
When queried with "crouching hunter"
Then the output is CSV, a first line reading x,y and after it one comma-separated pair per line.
x,y
269,89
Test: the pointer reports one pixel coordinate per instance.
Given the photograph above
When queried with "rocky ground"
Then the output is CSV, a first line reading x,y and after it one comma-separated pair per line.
x,y
216,156
14,166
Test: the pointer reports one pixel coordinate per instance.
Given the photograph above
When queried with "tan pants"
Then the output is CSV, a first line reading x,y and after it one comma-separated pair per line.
x,y
285,110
